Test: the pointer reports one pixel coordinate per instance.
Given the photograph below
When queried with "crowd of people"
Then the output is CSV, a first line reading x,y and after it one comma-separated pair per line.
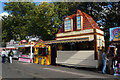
x,y
111,59
7,57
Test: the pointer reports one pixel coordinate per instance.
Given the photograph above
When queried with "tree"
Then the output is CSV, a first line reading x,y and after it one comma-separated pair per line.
x,y
45,21
27,19
15,26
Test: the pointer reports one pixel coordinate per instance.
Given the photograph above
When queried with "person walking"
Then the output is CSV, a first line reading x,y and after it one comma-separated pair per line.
x,y
3,56
10,55
104,56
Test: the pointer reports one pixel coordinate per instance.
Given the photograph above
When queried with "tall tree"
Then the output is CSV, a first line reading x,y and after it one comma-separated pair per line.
x,y
27,19
17,23
46,21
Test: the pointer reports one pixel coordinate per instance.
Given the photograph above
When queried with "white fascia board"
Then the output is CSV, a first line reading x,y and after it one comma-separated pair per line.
x,y
25,45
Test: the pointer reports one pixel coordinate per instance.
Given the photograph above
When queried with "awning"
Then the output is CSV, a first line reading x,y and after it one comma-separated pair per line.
x,y
67,40
10,48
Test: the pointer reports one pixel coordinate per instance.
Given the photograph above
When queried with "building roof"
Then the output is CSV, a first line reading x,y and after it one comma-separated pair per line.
x,y
88,22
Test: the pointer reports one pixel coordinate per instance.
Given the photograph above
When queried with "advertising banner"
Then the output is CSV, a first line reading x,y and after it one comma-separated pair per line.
x,y
115,34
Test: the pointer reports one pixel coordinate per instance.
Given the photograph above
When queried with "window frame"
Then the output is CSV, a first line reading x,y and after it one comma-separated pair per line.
x,y
66,25
78,28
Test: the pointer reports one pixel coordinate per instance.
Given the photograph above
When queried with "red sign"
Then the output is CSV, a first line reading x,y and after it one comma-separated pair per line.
x,y
24,56
23,41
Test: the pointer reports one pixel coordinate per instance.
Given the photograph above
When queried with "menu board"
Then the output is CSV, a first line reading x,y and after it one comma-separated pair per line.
x,y
115,34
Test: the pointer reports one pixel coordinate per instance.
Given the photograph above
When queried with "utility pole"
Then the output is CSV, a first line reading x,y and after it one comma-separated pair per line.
x,y
0,33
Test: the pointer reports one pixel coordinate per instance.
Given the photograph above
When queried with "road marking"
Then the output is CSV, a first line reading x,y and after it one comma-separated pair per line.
x,y
25,63
63,71
74,73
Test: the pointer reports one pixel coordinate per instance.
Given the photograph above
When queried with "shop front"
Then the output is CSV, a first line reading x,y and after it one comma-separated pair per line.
x,y
79,42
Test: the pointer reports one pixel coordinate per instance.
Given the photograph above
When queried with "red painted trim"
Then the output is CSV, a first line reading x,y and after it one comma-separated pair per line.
x,y
38,42
86,23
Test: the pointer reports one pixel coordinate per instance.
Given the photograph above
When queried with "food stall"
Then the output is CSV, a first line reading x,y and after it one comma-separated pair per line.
x,y
42,54
26,51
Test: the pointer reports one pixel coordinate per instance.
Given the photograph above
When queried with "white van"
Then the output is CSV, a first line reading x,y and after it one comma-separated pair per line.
x,y
15,52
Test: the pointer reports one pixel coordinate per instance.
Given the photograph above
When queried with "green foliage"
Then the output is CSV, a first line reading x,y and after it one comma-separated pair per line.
x,y
46,21
15,25
27,19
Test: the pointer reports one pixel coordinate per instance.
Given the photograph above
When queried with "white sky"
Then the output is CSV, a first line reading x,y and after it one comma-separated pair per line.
x,y
3,14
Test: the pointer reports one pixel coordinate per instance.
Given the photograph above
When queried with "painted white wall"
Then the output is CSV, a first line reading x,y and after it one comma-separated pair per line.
x,y
91,37
83,58
75,33
100,41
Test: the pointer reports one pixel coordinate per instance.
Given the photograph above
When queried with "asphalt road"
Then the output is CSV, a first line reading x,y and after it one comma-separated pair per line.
x,y
21,70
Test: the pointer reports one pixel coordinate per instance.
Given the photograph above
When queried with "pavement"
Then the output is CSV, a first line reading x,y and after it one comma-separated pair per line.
x,y
20,70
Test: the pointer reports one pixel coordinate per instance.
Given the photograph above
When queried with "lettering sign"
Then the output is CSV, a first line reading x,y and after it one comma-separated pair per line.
x,y
25,60
115,34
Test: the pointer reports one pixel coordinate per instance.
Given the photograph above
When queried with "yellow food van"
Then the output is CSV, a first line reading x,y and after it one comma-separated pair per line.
x,y
42,54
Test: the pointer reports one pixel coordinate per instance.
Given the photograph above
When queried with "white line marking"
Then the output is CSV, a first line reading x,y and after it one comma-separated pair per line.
x,y
74,73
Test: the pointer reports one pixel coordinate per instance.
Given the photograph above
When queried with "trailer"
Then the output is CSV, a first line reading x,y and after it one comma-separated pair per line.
x,y
26,51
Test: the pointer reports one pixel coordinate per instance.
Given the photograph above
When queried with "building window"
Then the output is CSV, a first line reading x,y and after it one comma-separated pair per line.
x,y
78,22
67,25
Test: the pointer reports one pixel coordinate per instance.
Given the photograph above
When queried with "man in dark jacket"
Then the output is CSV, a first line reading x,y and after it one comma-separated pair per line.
x,y
10,55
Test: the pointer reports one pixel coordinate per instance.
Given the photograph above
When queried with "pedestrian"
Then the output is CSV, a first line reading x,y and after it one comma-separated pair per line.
x,y
3,56
104,56
10,55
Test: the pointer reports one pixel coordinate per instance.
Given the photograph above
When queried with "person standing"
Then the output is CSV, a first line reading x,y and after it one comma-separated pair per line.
x,y
104,56
3,56
10,55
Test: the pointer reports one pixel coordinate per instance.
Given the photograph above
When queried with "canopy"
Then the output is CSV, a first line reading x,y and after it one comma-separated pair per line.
x,y
23,41
67,40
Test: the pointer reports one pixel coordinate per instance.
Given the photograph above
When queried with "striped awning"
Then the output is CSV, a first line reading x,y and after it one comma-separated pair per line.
x,y
67,40
10,48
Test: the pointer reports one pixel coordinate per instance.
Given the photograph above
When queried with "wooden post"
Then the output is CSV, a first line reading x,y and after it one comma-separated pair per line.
x,y
95,45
